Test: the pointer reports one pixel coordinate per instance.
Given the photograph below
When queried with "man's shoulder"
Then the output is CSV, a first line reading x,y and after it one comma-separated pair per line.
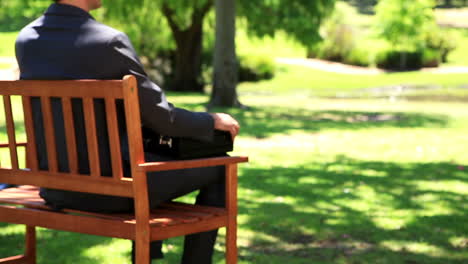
x,y
104,31
103,28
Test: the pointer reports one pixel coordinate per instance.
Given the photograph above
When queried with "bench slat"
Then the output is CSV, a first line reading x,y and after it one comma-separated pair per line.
x,y
70,134
28,123
114,141
91,137
169,214
69,182
10,123
67,222
49,133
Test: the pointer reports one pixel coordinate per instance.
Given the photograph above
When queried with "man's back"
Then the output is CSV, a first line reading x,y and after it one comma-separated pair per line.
x,y
74,46
56,47
67,43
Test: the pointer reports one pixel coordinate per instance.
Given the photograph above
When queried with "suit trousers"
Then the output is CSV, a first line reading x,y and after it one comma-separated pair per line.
x,y
167,185
163,186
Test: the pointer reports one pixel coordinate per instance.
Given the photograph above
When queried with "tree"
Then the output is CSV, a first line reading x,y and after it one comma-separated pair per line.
x,y
405,23
184,18
300,18
16,14
188,38
225,65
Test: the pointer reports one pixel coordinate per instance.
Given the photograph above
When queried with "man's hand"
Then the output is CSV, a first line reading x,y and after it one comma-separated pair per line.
x,y
226,122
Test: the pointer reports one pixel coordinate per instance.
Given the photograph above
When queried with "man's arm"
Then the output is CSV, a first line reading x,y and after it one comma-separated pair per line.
x,y
156,112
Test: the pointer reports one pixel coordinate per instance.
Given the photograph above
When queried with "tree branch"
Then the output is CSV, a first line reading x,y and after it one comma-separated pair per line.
x,y
169,14
200,13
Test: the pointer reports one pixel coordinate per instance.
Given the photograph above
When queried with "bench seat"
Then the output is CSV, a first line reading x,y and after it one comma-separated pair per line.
x,y
171,214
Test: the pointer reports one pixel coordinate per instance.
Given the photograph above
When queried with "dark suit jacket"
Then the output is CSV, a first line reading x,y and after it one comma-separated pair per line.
x,y
67,43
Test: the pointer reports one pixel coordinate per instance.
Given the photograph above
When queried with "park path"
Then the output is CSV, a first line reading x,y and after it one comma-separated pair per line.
x,y
356,70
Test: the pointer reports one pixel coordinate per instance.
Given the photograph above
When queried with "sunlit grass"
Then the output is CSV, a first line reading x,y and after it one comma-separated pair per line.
x,y
311,82
329,181
7,44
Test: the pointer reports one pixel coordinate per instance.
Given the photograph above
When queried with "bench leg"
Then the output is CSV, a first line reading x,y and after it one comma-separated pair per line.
x,y
29,256
231,244
142,254
231,206
30,251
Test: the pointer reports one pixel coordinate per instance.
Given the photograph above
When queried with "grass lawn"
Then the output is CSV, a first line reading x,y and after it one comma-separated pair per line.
x,y
312,83
330,181
7,44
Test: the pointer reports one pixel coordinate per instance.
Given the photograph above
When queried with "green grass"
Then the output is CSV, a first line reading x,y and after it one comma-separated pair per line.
x,y
310,82
329,181
7,44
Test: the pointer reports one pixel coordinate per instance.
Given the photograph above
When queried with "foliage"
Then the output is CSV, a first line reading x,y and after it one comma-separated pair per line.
x,y
436,46
145,24
442,41
255,68
359,57
16,14
403,23
339,39
300,18
431,58
391,60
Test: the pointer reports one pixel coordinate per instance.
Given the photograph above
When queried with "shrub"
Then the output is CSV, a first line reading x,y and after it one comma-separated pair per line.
x,y
400,60
337,34
339,39
431,58
358,57
255,67
443,41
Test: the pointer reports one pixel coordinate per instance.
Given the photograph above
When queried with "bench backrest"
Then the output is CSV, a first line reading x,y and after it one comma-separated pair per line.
x,y
66,91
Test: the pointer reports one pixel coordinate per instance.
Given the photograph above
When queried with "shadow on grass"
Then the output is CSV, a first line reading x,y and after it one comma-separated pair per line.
x,y
332,219
56,246
262,122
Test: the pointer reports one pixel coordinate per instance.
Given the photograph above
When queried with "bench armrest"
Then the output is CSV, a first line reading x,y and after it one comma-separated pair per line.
x,y
189,164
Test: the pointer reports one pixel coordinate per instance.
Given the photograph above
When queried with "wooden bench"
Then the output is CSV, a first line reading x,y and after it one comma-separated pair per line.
x,y
23,205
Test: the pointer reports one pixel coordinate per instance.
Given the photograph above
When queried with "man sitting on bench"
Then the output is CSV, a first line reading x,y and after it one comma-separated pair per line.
x,y
67,43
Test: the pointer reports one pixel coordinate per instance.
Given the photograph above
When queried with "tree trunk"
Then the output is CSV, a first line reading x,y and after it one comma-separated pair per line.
x,y
225,61
187,68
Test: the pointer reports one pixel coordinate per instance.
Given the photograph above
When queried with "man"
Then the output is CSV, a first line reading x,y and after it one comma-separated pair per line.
x,y
67,43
